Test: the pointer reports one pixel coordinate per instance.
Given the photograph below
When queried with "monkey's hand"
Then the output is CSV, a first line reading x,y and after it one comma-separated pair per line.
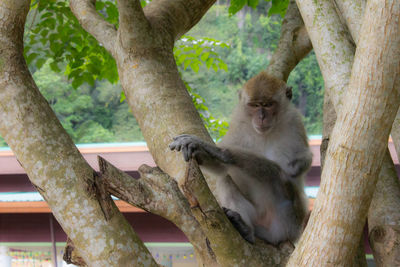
x,y
194,147
299,166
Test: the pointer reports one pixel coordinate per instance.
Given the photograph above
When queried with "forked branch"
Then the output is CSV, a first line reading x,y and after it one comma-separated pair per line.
x,y
104,32
229,247
159,194
178,16
133,24
294,44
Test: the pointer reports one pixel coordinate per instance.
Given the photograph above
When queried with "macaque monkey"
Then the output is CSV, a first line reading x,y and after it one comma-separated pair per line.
x,y
260,163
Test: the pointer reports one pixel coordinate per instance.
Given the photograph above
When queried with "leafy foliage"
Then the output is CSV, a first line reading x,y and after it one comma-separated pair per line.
x,y
57,49
92,114
308,95
54,33
191,52
216,128
277,7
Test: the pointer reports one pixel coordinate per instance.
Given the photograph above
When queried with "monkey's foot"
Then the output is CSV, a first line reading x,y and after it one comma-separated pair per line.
x,y
244,230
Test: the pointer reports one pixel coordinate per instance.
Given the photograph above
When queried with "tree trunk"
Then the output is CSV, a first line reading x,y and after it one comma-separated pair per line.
x,y
358,144
379,213
384,216
53,163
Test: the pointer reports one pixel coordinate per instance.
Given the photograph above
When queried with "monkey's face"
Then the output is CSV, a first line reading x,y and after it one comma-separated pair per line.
x,y
264,98
263,114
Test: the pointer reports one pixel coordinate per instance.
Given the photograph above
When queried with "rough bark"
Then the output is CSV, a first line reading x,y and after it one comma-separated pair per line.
x,y
333,45
396,132
358,143
329,119
149,75
384,216
51,160
228,245
152,84
72,256
352,11
293,45
159,194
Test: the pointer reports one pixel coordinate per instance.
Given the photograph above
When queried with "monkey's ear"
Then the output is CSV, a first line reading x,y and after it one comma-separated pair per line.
x,y
289,93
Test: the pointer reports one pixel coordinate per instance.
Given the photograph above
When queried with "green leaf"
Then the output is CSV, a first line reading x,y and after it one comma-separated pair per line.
x,y
44,32
278,7
143,3
195,66
77,63
99,5
55,47
46,15
112,12
31,57
209,62
223,66
205,56
88,77
181,58
54,66
78,81
235,6
186,64
123,97
40,62
252,3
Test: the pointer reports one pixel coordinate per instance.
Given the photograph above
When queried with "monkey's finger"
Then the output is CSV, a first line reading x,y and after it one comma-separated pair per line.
x,y
176,146
171,146
185,153
191,149
180,136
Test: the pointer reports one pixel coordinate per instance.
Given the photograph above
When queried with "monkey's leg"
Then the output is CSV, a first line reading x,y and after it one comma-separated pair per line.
x,y
282,226
240,211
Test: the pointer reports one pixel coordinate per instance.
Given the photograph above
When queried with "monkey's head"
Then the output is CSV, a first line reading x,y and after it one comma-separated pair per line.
x,y
264,99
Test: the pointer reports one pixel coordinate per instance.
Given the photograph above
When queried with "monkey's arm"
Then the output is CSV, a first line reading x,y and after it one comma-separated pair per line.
x,y
207,154
194,147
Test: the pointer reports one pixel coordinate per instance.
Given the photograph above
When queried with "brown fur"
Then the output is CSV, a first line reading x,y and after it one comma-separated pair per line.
x,y
263,86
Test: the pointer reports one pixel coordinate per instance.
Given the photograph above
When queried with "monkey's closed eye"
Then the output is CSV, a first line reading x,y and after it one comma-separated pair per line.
x,y
268,104
253,105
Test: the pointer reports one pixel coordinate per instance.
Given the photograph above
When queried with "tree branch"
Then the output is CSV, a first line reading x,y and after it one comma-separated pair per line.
x,y
159,194
104,32
133,24
352,13
377,53
384,216
386,200
396,131
229,247
294,44
325,28
72,256
176,17
52,161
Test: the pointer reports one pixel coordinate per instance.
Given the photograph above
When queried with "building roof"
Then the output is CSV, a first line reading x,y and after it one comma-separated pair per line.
x,y
125,156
